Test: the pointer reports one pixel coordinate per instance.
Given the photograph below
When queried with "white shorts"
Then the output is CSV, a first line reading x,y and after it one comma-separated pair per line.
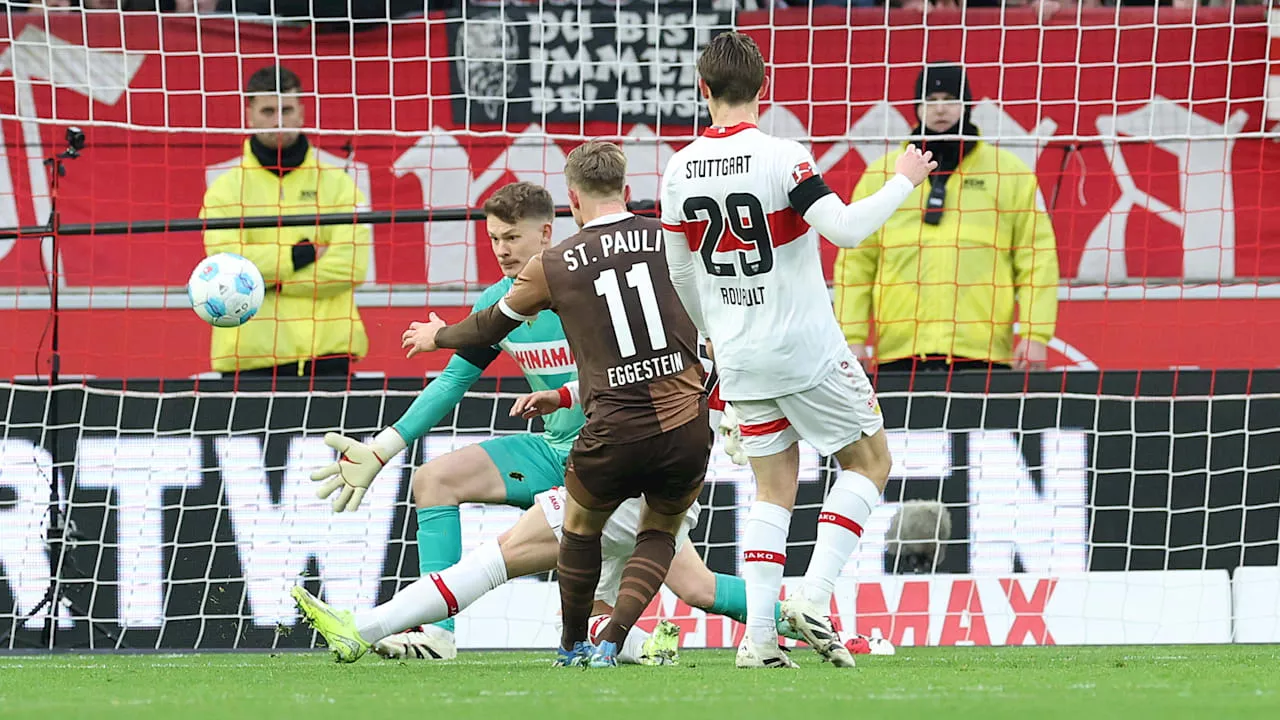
x,y
829,416
618,541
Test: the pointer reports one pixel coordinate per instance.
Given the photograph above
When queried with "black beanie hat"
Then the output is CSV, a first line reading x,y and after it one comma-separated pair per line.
x,y
949,79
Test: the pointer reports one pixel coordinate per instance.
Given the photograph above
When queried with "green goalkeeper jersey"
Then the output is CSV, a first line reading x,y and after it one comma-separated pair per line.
x,y
538,347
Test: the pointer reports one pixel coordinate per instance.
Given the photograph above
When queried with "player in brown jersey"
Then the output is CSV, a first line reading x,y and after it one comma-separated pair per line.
x,y
640,383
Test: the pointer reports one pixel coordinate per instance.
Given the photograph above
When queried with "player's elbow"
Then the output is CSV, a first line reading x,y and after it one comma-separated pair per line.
x,y
846,237
683,277
679,260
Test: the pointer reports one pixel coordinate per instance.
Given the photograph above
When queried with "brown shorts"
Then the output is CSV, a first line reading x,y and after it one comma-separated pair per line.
x,y
667,469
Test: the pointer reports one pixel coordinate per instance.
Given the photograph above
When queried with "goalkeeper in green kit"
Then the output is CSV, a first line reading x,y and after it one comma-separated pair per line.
x,y
507,470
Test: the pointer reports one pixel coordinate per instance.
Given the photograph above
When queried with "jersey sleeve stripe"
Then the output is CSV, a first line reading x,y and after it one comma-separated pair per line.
x,y
808,192
693,232
506,310
786,225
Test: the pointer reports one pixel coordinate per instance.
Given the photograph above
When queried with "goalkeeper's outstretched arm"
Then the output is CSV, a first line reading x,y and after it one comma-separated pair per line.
x,y
358,464
443,393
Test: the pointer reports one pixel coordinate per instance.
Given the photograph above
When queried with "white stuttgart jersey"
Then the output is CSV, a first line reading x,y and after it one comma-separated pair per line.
x,y
738,196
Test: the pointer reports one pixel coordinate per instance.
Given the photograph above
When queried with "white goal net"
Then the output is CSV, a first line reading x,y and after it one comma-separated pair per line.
x,y
1110,511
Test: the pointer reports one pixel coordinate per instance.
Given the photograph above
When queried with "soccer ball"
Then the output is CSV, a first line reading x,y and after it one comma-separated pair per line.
x,y
226,290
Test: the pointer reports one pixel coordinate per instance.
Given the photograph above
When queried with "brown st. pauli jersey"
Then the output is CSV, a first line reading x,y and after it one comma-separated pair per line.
x,y
636,349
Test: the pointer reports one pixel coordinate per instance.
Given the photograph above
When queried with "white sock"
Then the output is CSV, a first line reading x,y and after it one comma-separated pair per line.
x,y
437,596
632,646
764,554
840,523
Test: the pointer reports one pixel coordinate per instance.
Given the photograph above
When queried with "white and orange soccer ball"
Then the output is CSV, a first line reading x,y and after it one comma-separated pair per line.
x,y
226,290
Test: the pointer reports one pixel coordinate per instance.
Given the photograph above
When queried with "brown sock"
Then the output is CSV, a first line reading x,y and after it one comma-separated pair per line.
x,y
579,573
641,578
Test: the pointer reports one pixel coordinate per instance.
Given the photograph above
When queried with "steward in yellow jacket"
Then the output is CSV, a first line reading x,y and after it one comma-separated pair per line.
x,y
943,276
308,323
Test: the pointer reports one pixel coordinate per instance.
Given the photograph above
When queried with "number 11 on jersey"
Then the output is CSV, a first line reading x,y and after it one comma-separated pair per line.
x,y
637,277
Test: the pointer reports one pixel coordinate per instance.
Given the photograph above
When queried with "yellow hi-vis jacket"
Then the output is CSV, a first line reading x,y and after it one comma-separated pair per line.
x,y
948,290
309,313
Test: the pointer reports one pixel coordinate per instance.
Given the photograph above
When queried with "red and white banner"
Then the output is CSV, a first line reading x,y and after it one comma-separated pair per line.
x,y
1132,608
160,100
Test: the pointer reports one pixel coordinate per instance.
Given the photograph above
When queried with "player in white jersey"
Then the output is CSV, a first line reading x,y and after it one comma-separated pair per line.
x,y
738,206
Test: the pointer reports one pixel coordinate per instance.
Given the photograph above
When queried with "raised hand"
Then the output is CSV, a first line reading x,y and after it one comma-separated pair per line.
x,y
915,165
421,337
357,465
536,404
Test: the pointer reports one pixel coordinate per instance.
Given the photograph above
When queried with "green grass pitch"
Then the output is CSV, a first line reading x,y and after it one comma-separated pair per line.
x,y
1214,682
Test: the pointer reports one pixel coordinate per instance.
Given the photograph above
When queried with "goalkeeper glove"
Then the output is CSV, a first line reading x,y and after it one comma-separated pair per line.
x,y
732,436
358,464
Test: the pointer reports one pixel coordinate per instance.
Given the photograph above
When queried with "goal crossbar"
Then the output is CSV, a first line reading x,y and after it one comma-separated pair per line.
x,y
360,217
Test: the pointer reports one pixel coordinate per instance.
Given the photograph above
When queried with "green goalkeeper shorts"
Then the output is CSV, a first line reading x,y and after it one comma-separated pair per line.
x,y
528,465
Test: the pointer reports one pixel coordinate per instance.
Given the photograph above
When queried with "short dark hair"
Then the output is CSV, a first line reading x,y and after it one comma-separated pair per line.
x,y
597,168
732,67
519,201
272,80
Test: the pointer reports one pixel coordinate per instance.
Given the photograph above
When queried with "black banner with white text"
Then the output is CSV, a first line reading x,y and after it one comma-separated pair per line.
x,y
629,63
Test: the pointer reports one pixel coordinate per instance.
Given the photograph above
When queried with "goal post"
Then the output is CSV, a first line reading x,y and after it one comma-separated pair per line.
x,y
1128,495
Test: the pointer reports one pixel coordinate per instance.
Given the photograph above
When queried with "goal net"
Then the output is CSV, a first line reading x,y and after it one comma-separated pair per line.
x,y
155,506
1111,510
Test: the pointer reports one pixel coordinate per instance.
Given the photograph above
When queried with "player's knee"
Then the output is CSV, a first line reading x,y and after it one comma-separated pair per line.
x,y
695,594
880,463
432,488
870,459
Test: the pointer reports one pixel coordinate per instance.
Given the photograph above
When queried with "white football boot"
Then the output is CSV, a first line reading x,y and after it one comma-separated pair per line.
x,y
426,642
754,656
817,631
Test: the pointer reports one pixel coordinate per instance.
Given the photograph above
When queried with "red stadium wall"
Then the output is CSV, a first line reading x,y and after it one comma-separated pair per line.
x,y
1202,215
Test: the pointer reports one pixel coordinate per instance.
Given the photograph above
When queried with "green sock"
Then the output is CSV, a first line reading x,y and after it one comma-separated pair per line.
x,y
439,543
731,599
